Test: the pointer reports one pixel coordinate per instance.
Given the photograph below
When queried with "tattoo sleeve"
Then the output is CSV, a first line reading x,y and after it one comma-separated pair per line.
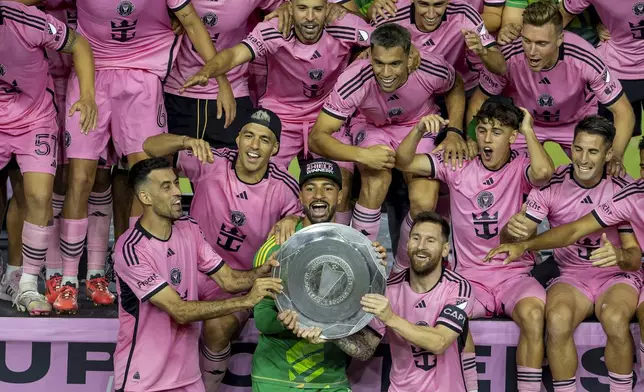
x,y
71,40
360,345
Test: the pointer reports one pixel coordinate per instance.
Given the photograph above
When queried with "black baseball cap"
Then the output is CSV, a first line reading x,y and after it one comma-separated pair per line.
x,y
266,118
320,167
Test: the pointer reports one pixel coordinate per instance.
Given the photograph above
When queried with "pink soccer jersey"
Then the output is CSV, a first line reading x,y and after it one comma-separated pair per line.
x,y
627,206
624,51
482,201
479,4
562,201
447,40
449,304
130,34
556,110
154,353
357,89
236,217
300,76
226,24
26,89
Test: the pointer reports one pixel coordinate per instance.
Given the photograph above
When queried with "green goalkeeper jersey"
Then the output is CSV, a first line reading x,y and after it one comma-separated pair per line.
x,y
283,359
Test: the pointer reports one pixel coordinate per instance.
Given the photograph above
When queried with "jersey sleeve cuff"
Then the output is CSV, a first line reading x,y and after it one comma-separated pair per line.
x,y
625,230
252,51
490,45
484,91
334,115
617,97
154,291
450,325
216,268
432,166
533,218
599,220
64,41
182,6
486,4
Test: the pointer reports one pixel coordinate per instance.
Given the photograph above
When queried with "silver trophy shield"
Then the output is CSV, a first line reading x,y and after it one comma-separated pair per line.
x,y
325,269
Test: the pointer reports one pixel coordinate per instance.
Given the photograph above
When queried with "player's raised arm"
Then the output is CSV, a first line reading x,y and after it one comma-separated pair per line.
x,y
236,281
482,44
406,158
167,144
541,165
78,46
492,16
474,104
567,16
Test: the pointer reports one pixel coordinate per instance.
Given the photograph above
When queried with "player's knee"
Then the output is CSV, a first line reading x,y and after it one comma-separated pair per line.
x,y
38,201
615,321
559,322
375,184
217,333
419,201
81,181
531,318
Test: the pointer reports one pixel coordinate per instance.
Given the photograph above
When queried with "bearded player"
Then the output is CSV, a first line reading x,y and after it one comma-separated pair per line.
x,y
392,99
303,67
238,195
158,263
539,64
282,360
28,123
427,308
134,48
484,194
586,286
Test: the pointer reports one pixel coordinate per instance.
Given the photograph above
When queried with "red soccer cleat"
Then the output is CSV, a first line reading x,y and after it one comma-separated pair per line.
x,y
96,289
53,287
67,301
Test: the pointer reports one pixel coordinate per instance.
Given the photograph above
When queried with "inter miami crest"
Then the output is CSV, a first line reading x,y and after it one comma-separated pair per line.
x,y
316,74
546,100
210,19
68,139
238,218
3,70
638,9
485,200
125,8
359,137
175,276
393,112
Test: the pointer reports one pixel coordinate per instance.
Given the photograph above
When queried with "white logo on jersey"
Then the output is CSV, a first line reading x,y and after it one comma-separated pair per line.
x,y
362,36
462,305
52,29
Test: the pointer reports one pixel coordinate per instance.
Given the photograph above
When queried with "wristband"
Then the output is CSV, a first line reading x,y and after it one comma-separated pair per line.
x,y
456,130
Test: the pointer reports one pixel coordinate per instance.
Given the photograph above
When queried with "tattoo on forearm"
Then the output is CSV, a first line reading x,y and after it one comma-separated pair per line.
x,y
360,345
71,40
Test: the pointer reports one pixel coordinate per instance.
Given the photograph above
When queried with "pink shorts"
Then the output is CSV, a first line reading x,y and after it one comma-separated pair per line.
x,y
209,290
562,135
60,93
294,141
35,150
502,299
130,109
368,135
592,286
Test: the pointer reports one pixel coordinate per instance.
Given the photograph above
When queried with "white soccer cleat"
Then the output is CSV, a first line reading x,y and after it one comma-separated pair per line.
x,y
33,302
9,285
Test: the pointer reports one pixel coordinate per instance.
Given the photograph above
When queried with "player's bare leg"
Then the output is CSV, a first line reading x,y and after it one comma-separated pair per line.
x,y
54,261
98,231
344,212
566,308
215,352
423,196
15,218
373,190
36,232
468,361
512,15
136,210
615,309
73,232
529,316
640,319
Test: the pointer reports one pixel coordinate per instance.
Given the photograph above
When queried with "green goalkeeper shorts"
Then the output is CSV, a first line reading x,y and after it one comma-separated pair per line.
x,y
268,387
